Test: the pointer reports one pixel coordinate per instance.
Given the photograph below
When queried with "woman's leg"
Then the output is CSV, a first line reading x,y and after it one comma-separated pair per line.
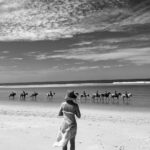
x,y
72,143
64,147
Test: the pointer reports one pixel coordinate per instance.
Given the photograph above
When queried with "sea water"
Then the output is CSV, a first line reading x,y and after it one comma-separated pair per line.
x,y
140,92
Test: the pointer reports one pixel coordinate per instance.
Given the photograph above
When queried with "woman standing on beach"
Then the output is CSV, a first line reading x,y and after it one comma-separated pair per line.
x,y
69,109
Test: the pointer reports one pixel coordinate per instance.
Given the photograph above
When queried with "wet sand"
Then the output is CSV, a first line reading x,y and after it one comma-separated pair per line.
x,y
31,125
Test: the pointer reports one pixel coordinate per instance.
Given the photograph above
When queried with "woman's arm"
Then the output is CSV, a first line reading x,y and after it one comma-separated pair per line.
x,y
60,111
78,114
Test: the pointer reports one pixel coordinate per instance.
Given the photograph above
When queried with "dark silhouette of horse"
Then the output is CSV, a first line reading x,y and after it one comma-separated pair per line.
x,y
96,97
84,96
50,95
105,97
34,95
23,95
12,95
126,97
115,97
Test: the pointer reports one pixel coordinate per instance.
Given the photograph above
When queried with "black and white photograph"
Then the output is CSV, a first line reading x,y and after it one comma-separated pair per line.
x,y
74,74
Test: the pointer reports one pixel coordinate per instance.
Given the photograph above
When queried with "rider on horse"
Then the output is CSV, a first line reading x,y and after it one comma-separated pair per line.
x,y
126,94
84,93
97,94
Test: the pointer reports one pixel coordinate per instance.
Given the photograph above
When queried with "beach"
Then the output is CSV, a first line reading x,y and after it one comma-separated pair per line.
x,y
99,50
31,125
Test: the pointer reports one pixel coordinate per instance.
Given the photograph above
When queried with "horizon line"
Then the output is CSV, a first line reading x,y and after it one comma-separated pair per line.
x,y
77,81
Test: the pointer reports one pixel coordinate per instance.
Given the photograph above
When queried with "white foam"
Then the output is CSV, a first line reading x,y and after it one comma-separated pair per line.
x,y
136,82
51,85
73,85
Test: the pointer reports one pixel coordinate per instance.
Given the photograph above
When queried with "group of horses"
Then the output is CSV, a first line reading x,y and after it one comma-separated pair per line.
x,y
33,96
97,97
106,97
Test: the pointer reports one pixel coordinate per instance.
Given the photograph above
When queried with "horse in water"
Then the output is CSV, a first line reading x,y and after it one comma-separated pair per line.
x,y
23,95
34,95
105,97
50,95
115,97
96,97
126,97
84,96
12,95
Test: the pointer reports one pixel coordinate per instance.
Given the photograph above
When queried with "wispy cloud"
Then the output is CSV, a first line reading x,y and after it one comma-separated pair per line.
x,y
5,52
133,55
72,53
2,57
106,67
17,58
82,68
40,20
42,57
119,65
140,59
79,63
83,43
116,50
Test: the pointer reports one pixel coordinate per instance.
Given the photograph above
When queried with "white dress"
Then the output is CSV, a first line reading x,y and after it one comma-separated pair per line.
x,y
68,128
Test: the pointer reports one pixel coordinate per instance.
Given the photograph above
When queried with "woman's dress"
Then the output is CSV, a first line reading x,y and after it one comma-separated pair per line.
x,y
68,128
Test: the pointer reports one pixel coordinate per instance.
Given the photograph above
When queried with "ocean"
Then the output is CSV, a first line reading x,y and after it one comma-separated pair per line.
x,y
140,92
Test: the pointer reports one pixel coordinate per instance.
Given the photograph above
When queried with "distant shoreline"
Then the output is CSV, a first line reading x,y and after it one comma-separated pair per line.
x,y
75,82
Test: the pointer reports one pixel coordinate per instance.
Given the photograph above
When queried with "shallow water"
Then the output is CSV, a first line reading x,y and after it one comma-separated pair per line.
x,y
141,93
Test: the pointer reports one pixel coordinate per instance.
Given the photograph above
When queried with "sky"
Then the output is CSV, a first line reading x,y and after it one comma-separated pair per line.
x,y
38,45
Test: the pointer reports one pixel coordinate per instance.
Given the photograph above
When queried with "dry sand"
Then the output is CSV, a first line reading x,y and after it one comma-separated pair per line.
x,y
33,126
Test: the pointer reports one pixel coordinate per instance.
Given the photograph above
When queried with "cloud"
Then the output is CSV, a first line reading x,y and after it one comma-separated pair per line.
x,y
107,50
17,58
40,20
69,53
140,60
83,43
133,55
9,58
106,67
113,66
2,57
60,51
81,68
42,57
79,63
5,52
132,41
119,65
